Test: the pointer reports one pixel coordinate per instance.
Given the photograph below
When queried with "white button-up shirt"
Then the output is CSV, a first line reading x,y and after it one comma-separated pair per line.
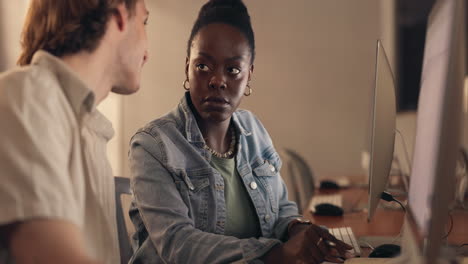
x,y
53,161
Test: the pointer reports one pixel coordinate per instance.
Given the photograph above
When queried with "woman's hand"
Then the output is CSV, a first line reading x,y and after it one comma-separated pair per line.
x,y
326,245
311,245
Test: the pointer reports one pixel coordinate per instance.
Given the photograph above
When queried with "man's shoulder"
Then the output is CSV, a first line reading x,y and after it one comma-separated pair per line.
x,y
29,83
31,91
25,74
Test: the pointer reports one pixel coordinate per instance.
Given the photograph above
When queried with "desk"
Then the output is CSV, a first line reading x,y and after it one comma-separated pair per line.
x,y
384,223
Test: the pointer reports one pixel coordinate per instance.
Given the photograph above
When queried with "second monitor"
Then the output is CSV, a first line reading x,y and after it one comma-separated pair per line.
x,y
383,130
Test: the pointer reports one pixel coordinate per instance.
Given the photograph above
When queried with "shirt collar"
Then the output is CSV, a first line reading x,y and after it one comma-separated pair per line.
x,y
98,123
81,98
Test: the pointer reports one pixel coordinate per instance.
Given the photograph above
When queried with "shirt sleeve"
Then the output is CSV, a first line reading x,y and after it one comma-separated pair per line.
x,y
35,145
166,216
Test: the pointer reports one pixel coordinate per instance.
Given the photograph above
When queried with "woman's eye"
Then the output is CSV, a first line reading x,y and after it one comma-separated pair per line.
x,y
234,70
202,67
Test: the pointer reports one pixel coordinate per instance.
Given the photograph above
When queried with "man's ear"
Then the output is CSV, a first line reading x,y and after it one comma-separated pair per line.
x,y
121,16
187,63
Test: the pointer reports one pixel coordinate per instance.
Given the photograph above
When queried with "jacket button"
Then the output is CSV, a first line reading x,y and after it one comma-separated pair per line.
x,y
253,185
267,218
272,168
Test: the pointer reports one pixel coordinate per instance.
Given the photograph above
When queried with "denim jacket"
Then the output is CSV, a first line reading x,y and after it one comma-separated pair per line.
x,y
179,210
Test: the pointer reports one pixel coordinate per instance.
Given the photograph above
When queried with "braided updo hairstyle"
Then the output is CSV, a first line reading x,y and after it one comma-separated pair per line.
x,y
230,12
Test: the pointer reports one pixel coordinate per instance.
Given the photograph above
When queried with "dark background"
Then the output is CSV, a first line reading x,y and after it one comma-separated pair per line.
x,y
412,16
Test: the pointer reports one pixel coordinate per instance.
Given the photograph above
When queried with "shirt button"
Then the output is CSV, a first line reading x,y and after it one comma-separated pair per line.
x,y
253,185
267,218
272,168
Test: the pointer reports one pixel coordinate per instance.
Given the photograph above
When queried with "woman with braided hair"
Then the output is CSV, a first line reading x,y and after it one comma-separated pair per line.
x,y
205,176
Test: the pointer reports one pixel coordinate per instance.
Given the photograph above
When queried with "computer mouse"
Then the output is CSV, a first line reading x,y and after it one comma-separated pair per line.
x,y
328,184
327,209
385,251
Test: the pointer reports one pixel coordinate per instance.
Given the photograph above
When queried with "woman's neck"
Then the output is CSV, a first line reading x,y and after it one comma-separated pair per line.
x,y
217,135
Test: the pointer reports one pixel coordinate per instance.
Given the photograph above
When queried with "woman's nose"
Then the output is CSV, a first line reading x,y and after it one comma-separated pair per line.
x,y
217,82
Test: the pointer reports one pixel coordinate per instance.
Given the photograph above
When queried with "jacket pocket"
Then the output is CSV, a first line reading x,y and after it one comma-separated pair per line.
x,y
267,174
195,192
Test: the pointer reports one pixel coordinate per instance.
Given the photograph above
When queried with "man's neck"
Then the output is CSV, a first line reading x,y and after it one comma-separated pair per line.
x,y
94,69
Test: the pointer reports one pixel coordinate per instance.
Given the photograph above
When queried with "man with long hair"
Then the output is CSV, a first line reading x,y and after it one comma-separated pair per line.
x,y
57,188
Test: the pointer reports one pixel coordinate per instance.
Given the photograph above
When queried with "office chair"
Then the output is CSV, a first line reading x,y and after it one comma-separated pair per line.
x,y
122,186
298,177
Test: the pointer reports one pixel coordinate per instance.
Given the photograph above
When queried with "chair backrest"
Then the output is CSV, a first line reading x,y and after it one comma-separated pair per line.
x,y
298,177
122,186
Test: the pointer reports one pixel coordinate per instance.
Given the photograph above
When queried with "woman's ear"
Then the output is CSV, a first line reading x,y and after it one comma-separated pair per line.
x,y
187,63
251,72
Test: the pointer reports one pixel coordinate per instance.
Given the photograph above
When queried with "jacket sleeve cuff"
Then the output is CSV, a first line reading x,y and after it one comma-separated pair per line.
x,y
253,249
281,228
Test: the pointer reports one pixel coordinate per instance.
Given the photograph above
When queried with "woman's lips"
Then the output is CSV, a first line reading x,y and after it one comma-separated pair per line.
x,y
216,100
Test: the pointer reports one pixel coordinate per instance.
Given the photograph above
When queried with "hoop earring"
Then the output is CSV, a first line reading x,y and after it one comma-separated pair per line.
x,y
250,90
184,84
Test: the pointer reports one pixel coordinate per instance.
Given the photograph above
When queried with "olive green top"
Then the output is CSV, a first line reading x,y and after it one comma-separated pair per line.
x,y
241,218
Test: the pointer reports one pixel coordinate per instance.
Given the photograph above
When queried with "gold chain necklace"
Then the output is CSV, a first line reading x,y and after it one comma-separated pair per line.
x,y
227,154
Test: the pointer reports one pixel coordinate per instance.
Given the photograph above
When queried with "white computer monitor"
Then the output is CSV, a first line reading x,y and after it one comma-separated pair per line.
x,y
383,129
438,133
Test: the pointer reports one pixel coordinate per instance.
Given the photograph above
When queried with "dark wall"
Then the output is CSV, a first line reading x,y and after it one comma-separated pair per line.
x,y
412,19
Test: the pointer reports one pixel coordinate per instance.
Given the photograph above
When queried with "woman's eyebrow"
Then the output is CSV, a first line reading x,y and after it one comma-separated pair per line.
x,y
206,55
235,58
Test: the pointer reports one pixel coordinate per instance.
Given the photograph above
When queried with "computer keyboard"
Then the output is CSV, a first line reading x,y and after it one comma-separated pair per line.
x,y
346,235
335,199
